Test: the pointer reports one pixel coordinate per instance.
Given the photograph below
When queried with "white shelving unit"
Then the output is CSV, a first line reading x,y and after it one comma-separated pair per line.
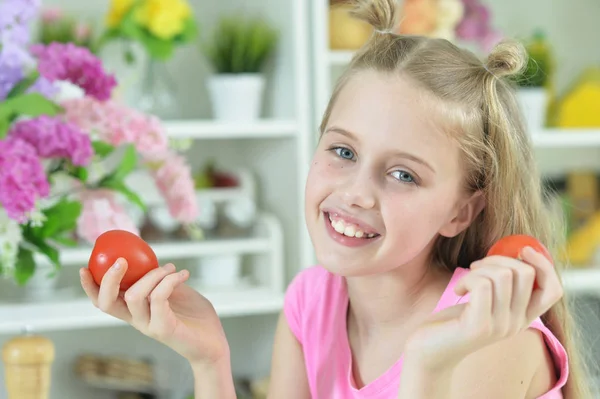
x,y
264,295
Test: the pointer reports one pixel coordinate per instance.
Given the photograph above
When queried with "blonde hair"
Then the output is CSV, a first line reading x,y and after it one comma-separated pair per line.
x,y
480,110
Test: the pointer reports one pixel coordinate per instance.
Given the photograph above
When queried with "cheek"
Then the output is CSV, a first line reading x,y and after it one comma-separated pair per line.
x,y
419,211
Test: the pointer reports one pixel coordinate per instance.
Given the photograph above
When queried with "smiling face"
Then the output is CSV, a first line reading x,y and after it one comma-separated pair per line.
x,y
385,181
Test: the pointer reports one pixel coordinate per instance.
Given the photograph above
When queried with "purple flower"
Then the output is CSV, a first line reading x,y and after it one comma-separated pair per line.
x,y
53,138
13,62
66,61
22,178
15,17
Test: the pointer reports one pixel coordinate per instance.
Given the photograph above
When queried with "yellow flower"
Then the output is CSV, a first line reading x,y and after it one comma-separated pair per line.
x,y
117,11
163,18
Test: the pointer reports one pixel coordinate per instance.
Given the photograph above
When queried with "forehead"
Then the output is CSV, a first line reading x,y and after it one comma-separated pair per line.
x,y
392,112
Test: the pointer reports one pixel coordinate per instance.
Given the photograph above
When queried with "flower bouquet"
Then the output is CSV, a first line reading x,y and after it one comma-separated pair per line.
x,y
158,25
63,162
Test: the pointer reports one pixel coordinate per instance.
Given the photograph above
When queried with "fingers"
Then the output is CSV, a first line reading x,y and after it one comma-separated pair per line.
x,y
89,285
136,297
523,278
502,283
478,312
159,301
108,295
549,289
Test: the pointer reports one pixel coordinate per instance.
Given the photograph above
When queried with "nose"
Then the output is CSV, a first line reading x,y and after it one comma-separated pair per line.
x,y
360,191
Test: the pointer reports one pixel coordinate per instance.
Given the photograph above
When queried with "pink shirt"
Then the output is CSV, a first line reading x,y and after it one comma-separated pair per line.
x,y
315,308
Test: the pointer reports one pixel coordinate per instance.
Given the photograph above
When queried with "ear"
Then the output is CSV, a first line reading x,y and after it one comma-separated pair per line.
x,y
468,210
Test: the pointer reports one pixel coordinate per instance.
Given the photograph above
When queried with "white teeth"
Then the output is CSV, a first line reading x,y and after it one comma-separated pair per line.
x,y
339,226
349,230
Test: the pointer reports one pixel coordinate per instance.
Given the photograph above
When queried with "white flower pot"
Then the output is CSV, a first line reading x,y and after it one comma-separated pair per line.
x,y
533,102
236,97
220,270
41,286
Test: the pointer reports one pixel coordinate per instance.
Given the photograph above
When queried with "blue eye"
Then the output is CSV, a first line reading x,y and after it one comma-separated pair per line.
x,y
344,153
403,176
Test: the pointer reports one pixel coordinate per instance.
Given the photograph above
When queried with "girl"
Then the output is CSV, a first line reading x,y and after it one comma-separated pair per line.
x,y
422,164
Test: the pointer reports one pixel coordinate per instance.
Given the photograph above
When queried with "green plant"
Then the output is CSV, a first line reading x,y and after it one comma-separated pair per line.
x,y
539,65
240,45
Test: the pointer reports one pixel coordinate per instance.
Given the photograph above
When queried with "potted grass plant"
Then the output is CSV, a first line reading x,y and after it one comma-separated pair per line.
x,y
237,53
533,83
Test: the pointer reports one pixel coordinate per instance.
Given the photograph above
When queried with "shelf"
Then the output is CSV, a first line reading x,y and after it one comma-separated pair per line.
x,y
340,57
79,313
566,138
180,249
582,281
212,129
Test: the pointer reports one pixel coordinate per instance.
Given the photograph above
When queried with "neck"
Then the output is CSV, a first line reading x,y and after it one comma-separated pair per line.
x,y
385,301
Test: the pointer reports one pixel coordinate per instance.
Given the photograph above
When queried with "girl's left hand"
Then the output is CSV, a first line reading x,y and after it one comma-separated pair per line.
x,y
502,303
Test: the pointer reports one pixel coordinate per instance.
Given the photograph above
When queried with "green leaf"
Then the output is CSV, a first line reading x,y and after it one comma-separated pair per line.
x,y
60,218
31,104
66,241
24,85
4,126
25,266
50,252
189,33
80,173
127,164
102,148
130,195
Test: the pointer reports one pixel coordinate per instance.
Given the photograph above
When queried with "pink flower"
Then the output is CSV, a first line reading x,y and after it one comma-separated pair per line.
x,y
476,25
174,180
117,124
53,138
82,31
100,213
66,61
51,14
22,178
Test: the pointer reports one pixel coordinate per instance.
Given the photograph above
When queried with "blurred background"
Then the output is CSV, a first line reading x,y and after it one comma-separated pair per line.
x,y
238,89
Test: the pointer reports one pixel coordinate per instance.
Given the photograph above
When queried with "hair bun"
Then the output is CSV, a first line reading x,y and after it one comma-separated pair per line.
x,y
508,58
381,14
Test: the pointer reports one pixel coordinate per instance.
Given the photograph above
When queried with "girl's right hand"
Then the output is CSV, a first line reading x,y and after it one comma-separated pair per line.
x,y
162,307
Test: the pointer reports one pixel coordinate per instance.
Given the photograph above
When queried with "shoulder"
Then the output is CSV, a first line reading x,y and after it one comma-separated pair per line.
x,y
519,367
312,290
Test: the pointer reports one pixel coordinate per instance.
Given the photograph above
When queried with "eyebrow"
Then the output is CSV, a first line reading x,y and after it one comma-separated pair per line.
x,y
402,154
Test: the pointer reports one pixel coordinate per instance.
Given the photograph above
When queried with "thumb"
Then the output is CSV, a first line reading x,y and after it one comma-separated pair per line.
x,y
453,312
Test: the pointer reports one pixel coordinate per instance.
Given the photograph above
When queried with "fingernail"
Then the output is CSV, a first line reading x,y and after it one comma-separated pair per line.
x,y
117,266
169,267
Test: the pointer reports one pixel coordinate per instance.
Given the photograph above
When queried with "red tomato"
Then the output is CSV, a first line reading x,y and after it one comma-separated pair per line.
x,y
115,244
511,246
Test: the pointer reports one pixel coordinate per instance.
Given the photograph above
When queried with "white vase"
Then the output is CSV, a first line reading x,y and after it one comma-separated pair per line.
x,y
236,97
40,285
533,102
220,270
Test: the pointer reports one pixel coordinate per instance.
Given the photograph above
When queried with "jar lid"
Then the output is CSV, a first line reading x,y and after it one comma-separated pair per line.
x,y
28,349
